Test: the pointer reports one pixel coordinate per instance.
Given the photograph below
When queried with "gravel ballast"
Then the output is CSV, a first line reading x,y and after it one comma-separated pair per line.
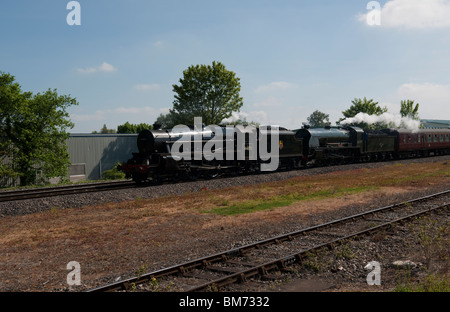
x,y
168,189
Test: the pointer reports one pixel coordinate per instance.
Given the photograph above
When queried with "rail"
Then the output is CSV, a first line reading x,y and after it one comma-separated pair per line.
x,y
6,196
403,211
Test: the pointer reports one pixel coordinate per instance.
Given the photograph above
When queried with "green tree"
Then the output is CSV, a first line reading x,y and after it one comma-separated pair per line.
x,y
35,128
319,119
6,156
409,110
104,130
167,121
132,128
210,92
364,106
9,95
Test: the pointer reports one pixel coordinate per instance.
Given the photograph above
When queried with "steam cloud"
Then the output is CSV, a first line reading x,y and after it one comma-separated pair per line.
x,y
390,120
235,116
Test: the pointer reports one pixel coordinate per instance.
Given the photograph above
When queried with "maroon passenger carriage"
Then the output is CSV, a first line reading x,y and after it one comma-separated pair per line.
x,y
422,142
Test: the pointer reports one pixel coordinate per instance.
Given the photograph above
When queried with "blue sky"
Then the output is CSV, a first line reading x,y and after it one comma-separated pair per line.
x,y
292,57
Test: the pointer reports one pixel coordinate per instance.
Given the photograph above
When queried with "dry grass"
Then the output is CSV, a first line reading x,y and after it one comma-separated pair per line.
x,y
126,217
120,234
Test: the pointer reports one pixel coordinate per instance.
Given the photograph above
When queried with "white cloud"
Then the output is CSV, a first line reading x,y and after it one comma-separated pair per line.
x,y
99,115
434,99
105,68
134,110
269,102
164,110
275,86
113,117
147,87
414,14
119,111
259,116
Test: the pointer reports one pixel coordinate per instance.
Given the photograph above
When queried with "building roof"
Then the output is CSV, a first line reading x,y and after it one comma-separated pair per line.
x,y
435,123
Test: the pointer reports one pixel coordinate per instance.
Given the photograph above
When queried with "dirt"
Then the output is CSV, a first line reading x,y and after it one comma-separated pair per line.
x,y
114,241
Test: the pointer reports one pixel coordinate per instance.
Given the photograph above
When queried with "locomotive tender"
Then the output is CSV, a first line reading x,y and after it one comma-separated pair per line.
x,y
345,144
208,152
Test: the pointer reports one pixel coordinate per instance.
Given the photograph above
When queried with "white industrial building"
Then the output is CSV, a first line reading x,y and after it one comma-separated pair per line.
x,y
91,154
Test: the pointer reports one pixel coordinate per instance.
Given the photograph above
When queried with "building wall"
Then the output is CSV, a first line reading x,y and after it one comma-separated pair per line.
x,y
91,154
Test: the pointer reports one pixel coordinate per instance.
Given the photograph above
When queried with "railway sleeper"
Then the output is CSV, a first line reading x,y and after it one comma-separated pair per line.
x,y
199,276
227,270
241,263
270,277
330,234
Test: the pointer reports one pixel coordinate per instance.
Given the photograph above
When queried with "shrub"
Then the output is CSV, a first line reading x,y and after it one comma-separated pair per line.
x,y
113,174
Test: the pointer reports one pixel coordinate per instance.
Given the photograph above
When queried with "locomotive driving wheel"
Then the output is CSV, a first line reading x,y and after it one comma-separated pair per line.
x,y
139,178
156,178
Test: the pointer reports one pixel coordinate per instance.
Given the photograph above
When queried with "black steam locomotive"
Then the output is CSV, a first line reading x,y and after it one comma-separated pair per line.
x,y
193,152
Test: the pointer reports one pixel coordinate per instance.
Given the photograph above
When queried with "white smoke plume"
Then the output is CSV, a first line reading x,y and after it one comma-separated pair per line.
x,y
387,119
235,116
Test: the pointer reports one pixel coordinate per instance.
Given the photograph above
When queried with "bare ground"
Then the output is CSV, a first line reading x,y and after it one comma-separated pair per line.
x,y
114,241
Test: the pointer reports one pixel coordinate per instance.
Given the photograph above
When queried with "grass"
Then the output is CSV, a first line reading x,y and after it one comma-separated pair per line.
x,y
283,200
432,283
268,196
432,238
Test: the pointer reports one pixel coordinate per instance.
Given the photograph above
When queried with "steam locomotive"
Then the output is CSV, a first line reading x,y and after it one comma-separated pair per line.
x,y
194,152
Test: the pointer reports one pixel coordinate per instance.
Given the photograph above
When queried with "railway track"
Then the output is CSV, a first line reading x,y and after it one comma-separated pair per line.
x,y
277,253
16,195
6,196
